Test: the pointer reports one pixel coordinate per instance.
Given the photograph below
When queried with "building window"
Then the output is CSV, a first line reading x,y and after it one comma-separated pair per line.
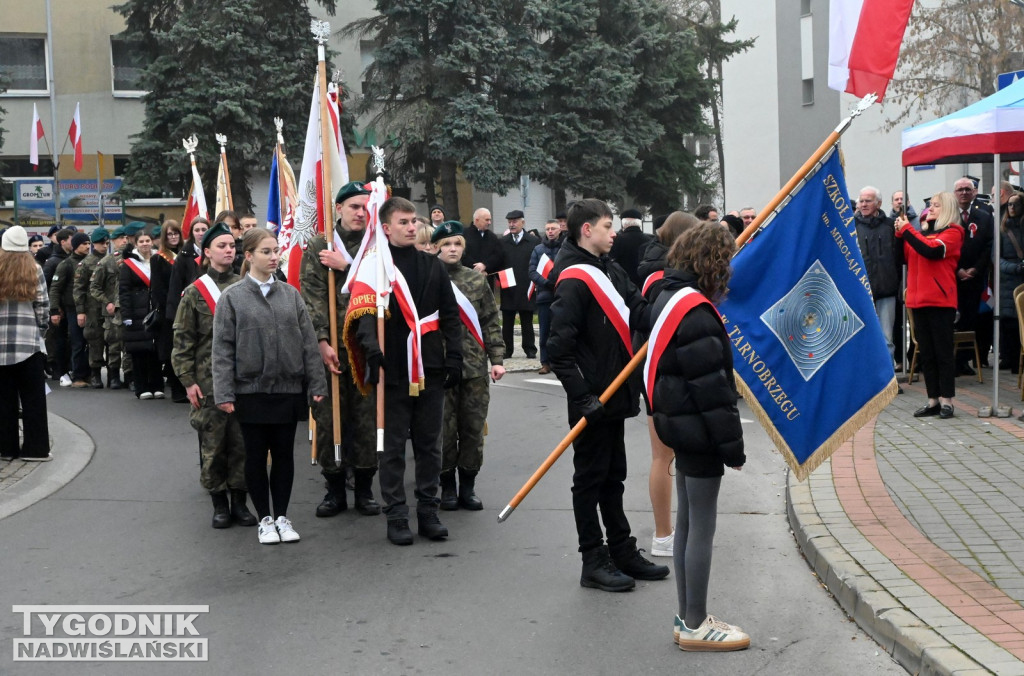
x,y
808,92
127,65
805,7
366,59
23,59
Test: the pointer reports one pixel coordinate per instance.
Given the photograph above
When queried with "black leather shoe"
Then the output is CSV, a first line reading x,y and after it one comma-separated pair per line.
x,y
633,564
335,502
926,411
239,512
966,370
221,510
600,573
467,490
399,533
945,412
365,502
430,527
449,496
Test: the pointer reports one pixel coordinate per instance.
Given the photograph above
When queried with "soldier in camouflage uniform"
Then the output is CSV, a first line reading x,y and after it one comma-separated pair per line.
x,y
89,309
62,303
465,406
358,413
103,290
221,448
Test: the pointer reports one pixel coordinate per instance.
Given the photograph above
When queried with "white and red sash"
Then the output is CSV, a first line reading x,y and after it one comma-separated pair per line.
x,y
137,269
681,302
208,289
340,246
651,279
606,295
417,327
469,316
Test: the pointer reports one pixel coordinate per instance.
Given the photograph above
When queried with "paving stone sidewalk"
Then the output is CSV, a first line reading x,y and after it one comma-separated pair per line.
x,y
917,527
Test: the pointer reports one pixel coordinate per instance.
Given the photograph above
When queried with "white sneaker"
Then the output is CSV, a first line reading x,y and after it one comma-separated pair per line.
x,y
267,532
146,395
663,546
285,530
158,395
65,380
712,635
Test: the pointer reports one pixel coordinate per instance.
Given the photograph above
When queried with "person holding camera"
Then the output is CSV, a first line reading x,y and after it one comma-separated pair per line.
x,y
141,313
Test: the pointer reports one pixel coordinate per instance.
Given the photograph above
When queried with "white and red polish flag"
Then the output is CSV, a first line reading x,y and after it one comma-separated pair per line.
x,y
864,44
507,278
76,136
33,140
196,204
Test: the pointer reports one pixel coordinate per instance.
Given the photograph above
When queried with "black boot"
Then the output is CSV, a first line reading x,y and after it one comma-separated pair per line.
x,y
335,502
221,510
429,526
365,504
600,573
398,532
240,513
96,380
129,381
449,497
631,562
467,498
114,379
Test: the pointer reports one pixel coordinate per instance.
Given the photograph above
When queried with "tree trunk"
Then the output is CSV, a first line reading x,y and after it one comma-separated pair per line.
x,y
430,183
449,189
559,200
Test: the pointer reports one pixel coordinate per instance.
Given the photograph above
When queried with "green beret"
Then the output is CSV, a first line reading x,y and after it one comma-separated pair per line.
x,y
351,189
134,228
117,232
214,232
156,233
99,235
446,229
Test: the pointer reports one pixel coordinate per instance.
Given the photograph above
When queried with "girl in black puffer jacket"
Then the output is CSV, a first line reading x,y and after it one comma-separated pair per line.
x,y
693,397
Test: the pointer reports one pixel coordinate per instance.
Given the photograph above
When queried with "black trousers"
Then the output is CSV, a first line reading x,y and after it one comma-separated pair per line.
x,y
146,372
933,327
420,418
24,381
78,345
599,459
508,320
279,440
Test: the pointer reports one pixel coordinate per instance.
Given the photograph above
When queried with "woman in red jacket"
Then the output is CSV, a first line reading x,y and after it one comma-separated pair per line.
x,y
932,256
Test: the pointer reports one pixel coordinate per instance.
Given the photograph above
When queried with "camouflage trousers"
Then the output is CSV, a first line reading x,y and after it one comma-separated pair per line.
x,y
117,358
465,417
93,333
358,428
221,449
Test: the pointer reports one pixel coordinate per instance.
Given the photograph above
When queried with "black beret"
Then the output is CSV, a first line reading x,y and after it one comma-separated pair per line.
x,y
512,215
632,213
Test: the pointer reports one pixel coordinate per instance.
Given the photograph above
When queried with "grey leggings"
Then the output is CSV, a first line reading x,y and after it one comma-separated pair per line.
x,y
695,531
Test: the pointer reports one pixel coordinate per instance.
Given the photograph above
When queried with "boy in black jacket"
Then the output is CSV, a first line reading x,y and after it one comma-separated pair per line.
x,y
594,309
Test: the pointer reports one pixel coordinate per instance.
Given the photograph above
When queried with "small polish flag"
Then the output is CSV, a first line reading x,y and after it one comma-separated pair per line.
x,y
507,278
76,136
33,139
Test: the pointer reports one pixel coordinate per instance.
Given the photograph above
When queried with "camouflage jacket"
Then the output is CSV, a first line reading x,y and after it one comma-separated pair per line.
x,y
475,287
313,286
62,285
191,355
84,300
103,284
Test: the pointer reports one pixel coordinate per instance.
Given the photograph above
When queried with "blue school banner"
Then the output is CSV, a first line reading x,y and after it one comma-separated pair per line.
x,y
807,347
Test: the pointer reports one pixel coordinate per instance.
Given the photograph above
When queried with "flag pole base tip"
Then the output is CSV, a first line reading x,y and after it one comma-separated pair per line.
x,y
505,513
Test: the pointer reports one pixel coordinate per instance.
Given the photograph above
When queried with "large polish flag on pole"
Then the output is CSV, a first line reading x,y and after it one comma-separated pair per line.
x,y
864,44
76,136
33,140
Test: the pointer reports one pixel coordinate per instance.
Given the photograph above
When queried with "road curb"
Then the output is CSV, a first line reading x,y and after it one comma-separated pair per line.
x,y
72,448
878,610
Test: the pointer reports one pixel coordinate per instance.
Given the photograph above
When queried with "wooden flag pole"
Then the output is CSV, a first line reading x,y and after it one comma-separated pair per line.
x,y
322,31
642,352
382,302
223,140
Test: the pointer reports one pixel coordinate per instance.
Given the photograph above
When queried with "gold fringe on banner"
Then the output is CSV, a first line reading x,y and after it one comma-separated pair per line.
x,y
871,409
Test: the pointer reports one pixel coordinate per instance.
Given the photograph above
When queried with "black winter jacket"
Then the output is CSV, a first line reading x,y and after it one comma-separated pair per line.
x,y
483,248
694,390
136,299
626,251
652,259
545,287
517,257
882,254
584,349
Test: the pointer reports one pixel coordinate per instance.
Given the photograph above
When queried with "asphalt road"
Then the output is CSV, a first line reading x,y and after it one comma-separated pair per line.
x,y
133,528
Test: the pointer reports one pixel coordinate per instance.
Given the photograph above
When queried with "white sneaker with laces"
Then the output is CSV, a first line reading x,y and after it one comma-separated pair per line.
x,y
268,532
712,635
285,530
146,395
65,380
663,546
158,395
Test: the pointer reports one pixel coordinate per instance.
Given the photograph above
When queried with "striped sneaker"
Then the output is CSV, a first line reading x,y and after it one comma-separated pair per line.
x,y
712,635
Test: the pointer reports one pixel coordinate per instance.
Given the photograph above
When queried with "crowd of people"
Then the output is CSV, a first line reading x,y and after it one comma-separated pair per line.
x,y
206,312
